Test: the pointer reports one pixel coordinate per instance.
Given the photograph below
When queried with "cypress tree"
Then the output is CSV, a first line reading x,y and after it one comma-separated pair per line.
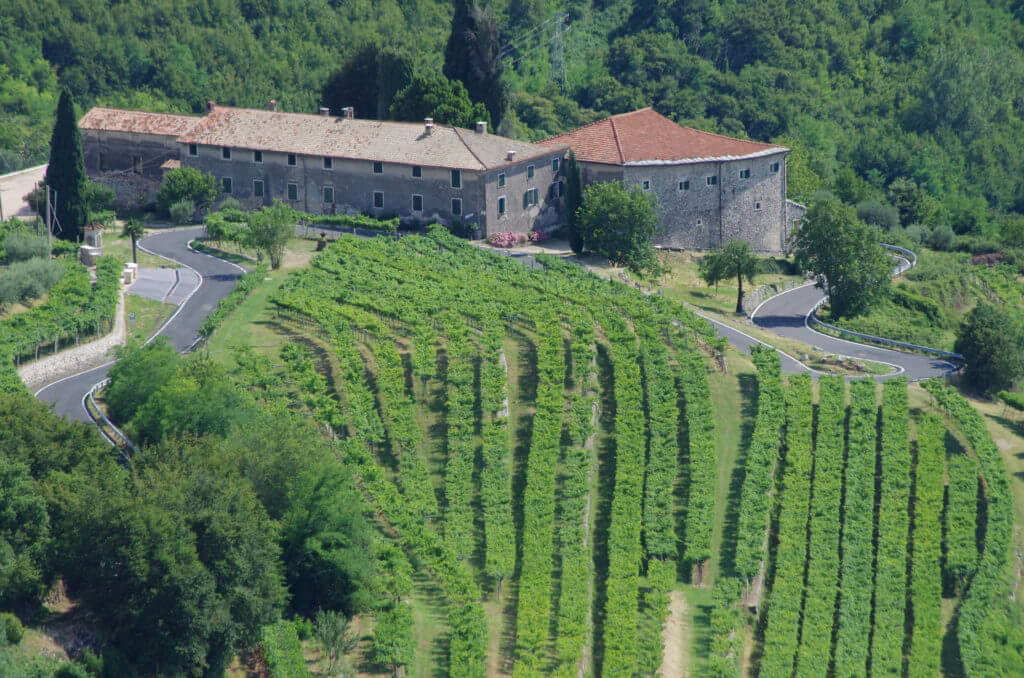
x,y
573,200
66,171
473,57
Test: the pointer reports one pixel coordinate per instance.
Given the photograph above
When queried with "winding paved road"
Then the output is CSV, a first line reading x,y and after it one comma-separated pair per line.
x,y
181,330
786,315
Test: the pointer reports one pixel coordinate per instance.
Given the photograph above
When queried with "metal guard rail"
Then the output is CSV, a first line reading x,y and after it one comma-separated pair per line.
x,y
110,431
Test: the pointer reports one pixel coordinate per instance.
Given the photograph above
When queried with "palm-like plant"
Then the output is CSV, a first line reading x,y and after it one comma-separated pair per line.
x,y
735,259
134,229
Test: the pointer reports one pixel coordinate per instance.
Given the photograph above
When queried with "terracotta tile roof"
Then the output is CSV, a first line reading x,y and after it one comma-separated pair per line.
x,y
645,137
119,120
340,137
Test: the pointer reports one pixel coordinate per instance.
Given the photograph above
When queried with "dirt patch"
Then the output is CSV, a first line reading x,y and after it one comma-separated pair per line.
x,y
674,659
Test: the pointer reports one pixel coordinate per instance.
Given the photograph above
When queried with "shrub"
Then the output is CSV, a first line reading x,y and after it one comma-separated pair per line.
x,y
181,212
12,628
883,215
19,246
916,233
71,671
187,183
507,239
229,203
941,238
27,280
97,196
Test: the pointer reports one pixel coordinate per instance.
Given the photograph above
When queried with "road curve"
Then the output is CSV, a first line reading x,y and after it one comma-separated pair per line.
x,y
218,278
786,315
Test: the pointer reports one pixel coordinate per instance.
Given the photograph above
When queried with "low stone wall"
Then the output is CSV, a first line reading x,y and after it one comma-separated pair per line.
x,y
71,361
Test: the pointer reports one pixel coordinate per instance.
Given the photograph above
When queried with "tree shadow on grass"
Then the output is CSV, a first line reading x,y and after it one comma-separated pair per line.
x,y
605,490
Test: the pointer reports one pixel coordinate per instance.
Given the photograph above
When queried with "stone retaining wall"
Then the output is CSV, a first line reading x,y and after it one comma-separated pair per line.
x,y
79,358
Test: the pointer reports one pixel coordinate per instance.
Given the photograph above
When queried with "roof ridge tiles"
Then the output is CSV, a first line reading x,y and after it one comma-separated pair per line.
x,y
618,144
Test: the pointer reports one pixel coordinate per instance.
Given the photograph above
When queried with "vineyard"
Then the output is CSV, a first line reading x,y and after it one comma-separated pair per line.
x,y
542,448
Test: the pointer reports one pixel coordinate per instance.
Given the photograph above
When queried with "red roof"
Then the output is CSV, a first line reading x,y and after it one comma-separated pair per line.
x,y
647,137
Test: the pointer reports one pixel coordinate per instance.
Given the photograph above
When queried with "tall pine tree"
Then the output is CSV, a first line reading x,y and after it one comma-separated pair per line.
x,y
473,56
66,172
573,200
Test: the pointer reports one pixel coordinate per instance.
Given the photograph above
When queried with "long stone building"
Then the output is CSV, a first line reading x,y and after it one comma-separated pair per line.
x,y
710,188
325,164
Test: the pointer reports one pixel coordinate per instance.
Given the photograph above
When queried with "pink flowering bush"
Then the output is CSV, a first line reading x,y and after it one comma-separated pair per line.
x,y
539,236
507,239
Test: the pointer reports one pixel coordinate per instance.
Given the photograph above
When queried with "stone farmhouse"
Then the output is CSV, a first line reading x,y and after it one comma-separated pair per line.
x,y
325,164
710,188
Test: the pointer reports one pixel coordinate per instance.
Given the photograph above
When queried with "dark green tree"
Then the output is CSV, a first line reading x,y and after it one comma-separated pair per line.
x,y
473,57
368,81
66,172
992,345
737,260
573,200
434,96
139,372
269,231
618,223
187,183
844,253
24,536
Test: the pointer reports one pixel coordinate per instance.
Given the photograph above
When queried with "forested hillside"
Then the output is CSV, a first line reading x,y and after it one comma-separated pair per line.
x,y
913,103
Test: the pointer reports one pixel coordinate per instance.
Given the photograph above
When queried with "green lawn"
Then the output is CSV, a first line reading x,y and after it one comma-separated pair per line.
x,y
117,245
149,316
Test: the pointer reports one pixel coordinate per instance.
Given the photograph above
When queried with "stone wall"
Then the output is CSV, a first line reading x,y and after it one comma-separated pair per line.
x,y
38,373
547,214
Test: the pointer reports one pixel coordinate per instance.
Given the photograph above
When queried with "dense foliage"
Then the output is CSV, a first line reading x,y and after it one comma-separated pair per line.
x,y
992,344
617,223
926,572
735,259
65,173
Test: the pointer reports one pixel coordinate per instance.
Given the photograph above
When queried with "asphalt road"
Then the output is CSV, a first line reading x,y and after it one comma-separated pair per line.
x,y
182,330
786,315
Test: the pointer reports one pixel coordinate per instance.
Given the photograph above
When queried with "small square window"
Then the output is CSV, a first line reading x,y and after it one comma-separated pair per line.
x,y
647,184
529,171
225,153
774,167
713,180
328,194
501,206
225,184
744,174
193,150
417,202
530,197
291,159
417,172
684,185
378,199
456,178
257,156
555,163
501,180
137,164
700,222
378,167
257,188
293,191
757,206
457,206
328,163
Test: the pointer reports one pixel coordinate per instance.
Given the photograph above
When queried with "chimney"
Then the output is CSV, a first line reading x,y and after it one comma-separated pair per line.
x,y
428,123
481,127
271,105
210,106
325,111
348,112
510,156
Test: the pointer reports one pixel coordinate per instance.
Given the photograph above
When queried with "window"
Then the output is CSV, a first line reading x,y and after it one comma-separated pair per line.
x,y
193,150
529,171
417,171
713,180
744,174
378,199
328,163
561,188
501,206
774,167
257,156
103,162
456,206
699,222
137,164
456,178
293,191
328,194
757,206
291,159
378,167
225,183
501,180
647,184
257,188
225,153
417,202
555,163
684,185
530,197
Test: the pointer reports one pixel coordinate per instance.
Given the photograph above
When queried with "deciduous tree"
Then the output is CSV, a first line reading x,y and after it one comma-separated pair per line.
x,y
368,81
270,229
432,95
618,223
735,259
187,183
993,348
